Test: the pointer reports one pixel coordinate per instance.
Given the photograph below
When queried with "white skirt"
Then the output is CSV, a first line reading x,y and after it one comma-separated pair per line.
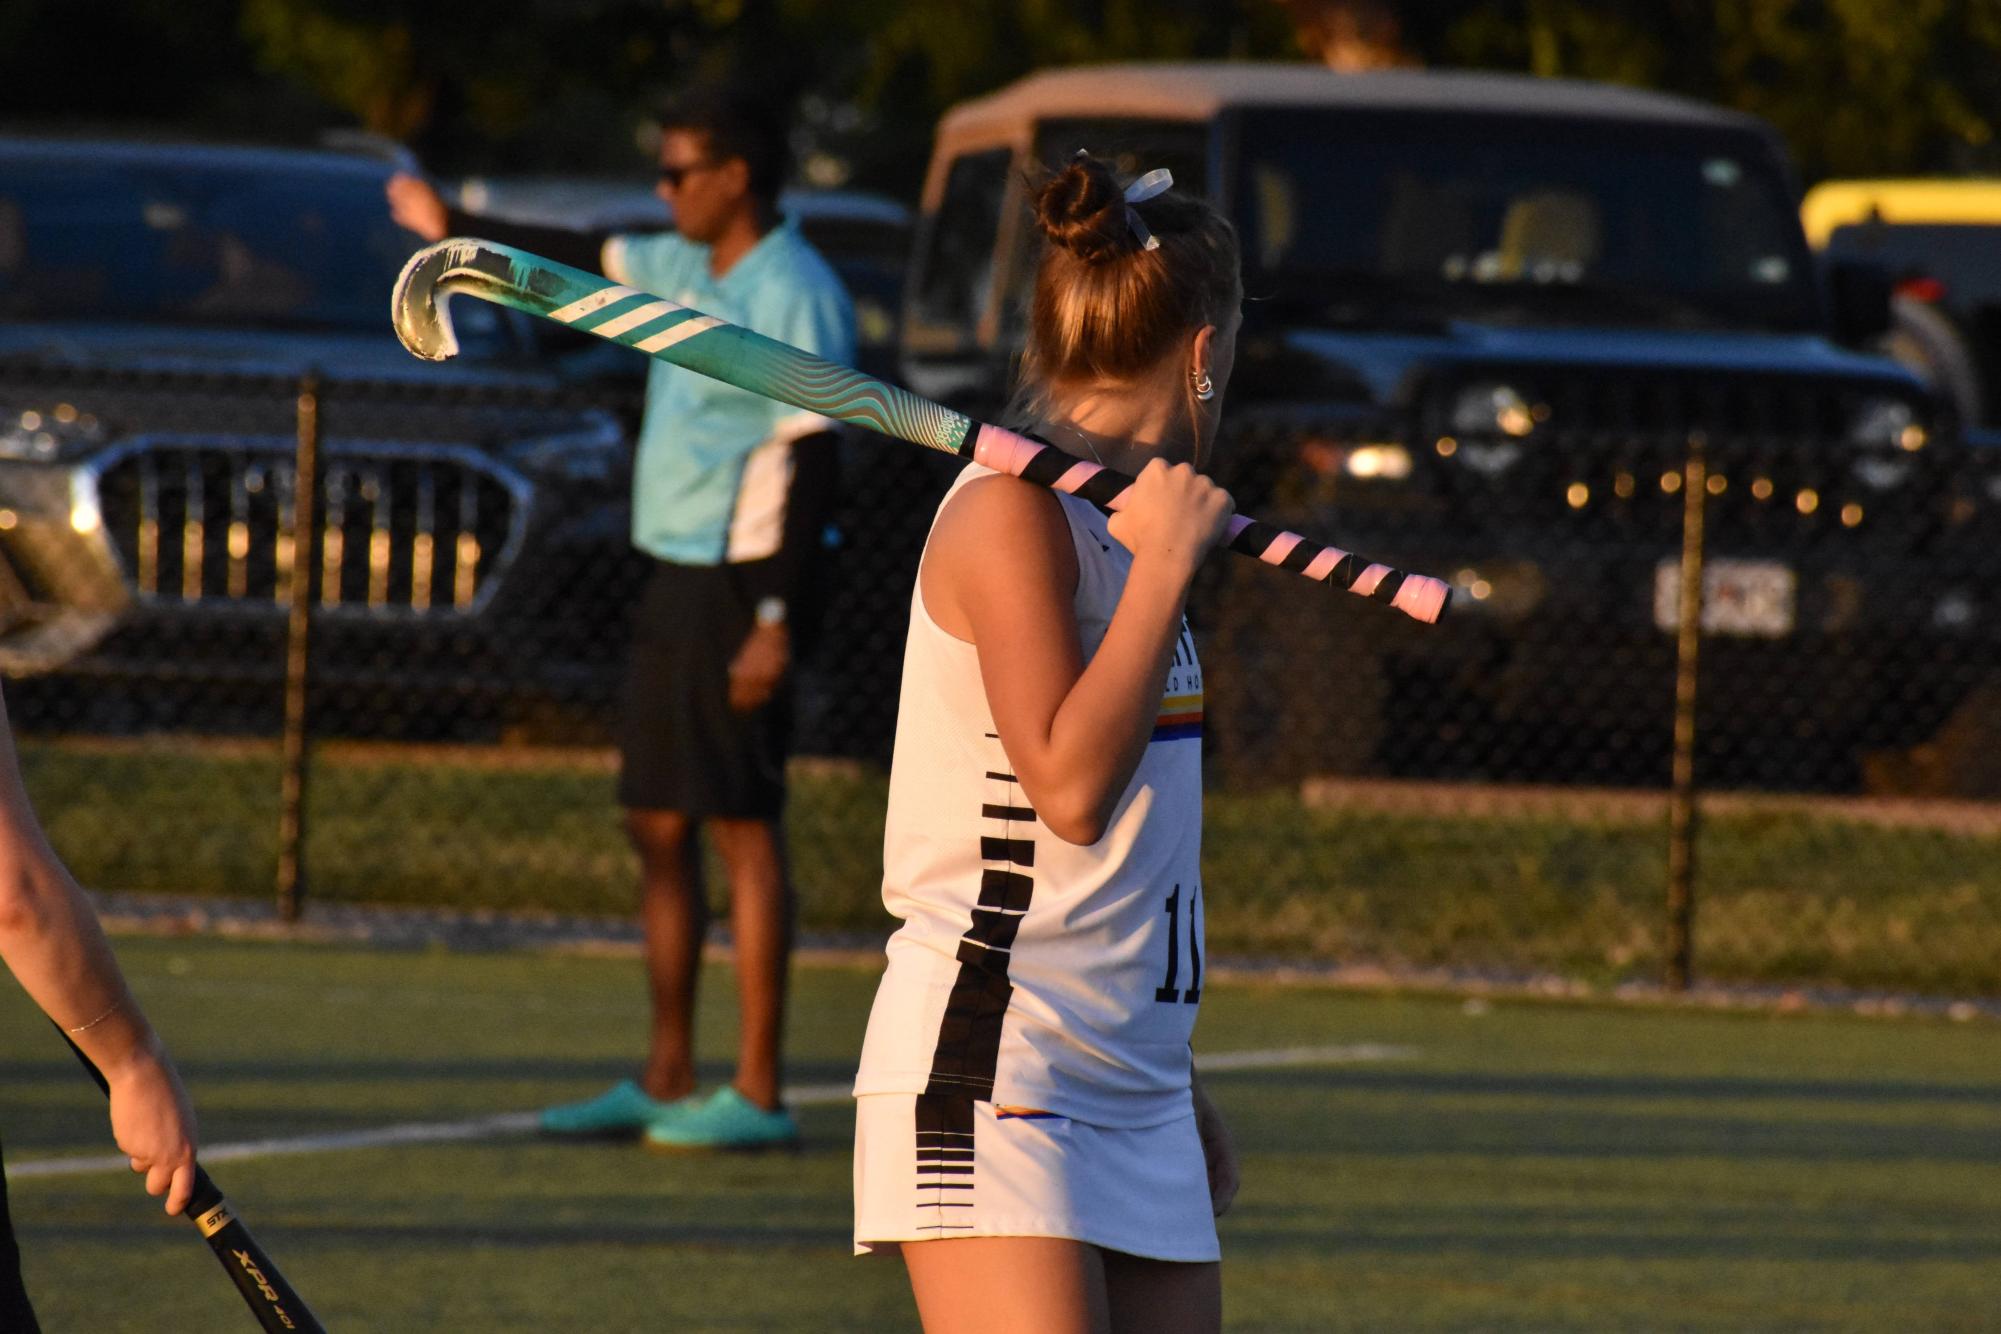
x,y
929,1167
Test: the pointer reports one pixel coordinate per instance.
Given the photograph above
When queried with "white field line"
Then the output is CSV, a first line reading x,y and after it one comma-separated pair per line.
x,y
506,1125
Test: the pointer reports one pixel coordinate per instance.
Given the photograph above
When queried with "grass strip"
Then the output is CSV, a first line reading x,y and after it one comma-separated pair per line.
x,y
1785,895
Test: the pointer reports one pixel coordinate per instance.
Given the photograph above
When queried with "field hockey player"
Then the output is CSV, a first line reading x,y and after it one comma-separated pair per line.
x,y
1029,1132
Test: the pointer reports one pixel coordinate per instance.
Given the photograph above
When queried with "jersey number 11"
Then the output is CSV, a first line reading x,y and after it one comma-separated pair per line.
x,y
1166,991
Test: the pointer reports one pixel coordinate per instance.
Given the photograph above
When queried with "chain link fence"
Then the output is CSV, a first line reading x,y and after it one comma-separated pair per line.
x,y
1493,793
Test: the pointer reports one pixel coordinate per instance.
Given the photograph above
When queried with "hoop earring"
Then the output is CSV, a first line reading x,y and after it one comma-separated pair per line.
x,y
1205,388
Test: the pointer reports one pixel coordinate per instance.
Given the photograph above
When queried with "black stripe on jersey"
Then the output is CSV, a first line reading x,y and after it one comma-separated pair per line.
x,y
967,1054
1018,851
1018,814
968,1049
983,958
995,930
1005,889
1005,778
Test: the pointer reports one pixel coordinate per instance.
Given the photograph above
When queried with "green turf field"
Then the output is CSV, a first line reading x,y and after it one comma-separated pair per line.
x,y
1529,1167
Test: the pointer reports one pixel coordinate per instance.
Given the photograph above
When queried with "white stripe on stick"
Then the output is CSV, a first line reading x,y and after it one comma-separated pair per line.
x,y
597,300
510,1125
632,319
685,329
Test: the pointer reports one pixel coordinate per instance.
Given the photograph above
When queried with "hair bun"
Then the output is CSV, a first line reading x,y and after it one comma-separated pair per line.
x,y
1083,210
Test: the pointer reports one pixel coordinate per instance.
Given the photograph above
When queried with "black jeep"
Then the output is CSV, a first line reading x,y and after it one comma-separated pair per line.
x,y
1485,318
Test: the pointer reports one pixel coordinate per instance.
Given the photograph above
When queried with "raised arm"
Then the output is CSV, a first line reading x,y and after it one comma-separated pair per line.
x,y
1001,573
50,940
417,206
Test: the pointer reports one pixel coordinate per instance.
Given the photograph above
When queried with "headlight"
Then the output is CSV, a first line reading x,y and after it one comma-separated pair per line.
x,y
46,434
84,514
1490,408
1887,423
1390,463
1376,462
1889,429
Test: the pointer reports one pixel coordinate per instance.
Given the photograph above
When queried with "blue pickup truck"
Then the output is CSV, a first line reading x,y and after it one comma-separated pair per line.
x,y
158,304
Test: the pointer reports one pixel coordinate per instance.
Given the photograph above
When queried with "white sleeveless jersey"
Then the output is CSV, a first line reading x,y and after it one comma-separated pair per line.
x,y
1030,971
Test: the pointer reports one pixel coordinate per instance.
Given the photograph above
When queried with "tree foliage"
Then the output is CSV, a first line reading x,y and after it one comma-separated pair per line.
x,y
1857,86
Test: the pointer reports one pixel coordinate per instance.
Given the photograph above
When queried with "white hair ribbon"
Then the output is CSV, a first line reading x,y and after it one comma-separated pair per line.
x,y
1158,181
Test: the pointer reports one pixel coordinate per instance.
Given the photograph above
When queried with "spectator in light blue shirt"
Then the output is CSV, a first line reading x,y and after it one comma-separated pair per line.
x,y
730,495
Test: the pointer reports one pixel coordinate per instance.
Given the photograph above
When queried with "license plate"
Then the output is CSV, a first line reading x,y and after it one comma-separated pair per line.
x,y
1739,597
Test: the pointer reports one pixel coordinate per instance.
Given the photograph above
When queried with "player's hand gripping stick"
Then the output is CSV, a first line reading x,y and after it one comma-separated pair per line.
x,y
750,361
272,1300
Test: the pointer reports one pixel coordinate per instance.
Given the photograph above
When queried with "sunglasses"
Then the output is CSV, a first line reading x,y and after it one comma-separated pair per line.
x,y
671,177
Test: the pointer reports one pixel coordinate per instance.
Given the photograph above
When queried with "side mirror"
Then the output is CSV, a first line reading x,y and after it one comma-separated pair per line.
x,y
1859,299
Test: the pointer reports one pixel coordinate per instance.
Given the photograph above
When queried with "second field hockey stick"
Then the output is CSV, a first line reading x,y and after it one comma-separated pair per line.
x,y
750,361
270,1298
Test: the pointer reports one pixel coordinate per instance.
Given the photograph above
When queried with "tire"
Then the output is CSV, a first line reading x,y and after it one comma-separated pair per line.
x,y
1924,340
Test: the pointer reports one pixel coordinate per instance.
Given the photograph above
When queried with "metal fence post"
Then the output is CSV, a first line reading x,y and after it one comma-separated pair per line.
x,y
298,642
1681,797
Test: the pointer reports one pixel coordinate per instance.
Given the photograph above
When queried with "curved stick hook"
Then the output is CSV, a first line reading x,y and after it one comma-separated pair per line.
x,y
418,307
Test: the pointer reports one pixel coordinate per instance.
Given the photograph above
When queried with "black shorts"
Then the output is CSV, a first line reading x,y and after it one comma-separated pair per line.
x,y
681,746
16,1316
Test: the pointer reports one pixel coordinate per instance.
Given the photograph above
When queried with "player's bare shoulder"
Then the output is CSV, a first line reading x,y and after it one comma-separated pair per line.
x,y
996,535
1005,519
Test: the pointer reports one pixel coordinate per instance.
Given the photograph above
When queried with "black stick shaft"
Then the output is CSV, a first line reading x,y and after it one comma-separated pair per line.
x,y
276,1304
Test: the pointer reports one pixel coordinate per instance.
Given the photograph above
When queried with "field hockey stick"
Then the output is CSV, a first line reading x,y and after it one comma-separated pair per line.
x,y
271,1299
750,361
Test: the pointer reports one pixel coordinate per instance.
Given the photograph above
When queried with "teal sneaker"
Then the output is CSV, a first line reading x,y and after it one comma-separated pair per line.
x,y
623,1110
725,1120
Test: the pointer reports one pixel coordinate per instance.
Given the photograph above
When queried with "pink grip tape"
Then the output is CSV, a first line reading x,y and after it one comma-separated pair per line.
x,y
1003,451
1420,596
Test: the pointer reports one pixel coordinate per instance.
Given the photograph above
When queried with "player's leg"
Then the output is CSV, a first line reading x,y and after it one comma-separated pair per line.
x,y
669,692
1162,1296
674,913
997,1285
761,918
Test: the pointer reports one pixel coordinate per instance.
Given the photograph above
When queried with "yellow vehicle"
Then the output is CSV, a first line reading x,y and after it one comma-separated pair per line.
x,y
1940,240
1907,202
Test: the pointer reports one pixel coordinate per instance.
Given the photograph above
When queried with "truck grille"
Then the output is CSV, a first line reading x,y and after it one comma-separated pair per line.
x,y
1607,466
411,530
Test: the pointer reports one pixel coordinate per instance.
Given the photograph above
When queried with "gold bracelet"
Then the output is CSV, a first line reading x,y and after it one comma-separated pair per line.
x,y
115,1006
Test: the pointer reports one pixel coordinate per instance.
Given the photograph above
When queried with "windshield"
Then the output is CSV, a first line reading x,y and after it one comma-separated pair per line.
x,y
196,241
1530,221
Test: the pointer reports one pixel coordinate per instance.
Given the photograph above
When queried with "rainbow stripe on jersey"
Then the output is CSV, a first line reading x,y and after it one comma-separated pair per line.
x,y
1180,716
